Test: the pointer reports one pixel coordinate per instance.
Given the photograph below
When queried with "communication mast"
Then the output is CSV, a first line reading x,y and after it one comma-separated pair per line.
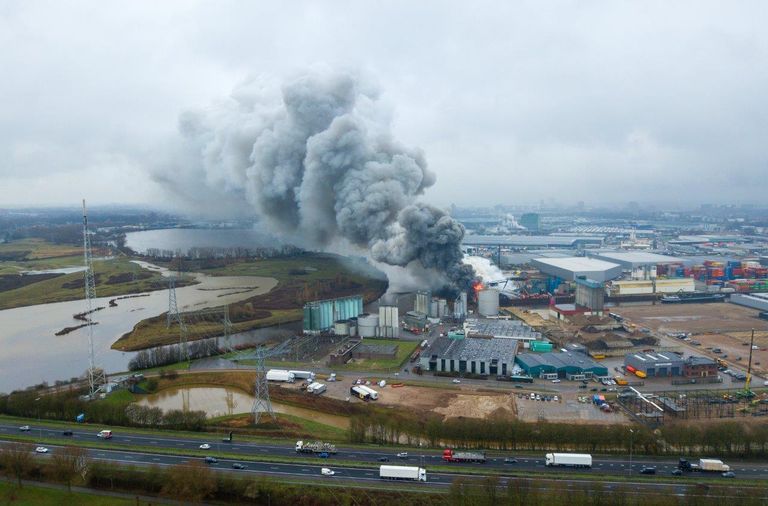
x,y
96,376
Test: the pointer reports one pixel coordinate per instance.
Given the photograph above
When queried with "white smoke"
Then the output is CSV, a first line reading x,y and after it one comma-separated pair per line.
x,y
484,268
316,162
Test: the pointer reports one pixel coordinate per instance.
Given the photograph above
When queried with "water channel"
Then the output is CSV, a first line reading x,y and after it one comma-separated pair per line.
x,y
221,401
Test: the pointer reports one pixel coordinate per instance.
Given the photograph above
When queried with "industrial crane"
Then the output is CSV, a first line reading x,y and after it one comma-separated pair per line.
x,y
747,393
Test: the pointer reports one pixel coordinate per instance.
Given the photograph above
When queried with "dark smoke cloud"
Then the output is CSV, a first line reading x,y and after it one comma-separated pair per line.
x,y
317,162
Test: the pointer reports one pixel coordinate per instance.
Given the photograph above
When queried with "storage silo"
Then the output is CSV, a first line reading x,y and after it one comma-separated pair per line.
x,y
488,302
367,325
341,328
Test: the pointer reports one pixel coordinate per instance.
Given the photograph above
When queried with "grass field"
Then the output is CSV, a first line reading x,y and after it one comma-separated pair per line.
x,y
34,495
404,350
113,277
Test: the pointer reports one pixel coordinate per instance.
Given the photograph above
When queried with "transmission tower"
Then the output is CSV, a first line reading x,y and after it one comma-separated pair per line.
x,y
96,376
261,402
175,316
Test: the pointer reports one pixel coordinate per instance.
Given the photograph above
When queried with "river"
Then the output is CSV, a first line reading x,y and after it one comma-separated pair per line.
x,y
221,401
31,353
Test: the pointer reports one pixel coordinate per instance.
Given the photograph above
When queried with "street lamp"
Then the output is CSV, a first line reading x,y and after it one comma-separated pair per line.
x,y
631,436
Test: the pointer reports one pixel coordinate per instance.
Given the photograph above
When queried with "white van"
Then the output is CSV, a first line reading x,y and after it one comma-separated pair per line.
x,y
105,434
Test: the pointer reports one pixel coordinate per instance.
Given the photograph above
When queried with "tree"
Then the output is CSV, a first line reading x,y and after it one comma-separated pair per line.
x,y
17,458
191,481
69,464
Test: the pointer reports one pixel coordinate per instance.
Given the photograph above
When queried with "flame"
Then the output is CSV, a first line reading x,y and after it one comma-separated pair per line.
x,y
477,286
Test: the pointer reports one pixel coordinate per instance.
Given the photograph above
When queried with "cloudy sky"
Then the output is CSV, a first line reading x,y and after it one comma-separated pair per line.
x,y
511,102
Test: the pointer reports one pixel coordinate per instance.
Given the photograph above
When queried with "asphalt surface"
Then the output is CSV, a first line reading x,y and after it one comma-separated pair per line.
x,y
618,465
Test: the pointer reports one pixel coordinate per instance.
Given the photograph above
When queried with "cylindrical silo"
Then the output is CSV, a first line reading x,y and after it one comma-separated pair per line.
x,y
367,325
341,328
488,302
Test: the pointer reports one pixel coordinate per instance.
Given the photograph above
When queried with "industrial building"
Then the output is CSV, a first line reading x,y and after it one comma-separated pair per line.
x,y
755,301
320,315
531,221
668,364
572,366
471,355
590,294
641,264
570,268
500,329
644,287
415,320
533,241
421,304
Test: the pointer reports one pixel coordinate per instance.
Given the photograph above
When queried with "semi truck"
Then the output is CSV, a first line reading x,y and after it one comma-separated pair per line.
x,y
316,388
370,391
402,473
568,460
280,375
307,375
359,393
452,456
315,447
706,465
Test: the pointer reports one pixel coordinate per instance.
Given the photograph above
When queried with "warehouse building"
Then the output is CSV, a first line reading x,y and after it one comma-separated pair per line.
x,y
755,301
668,364
699,367
641,264
471,355
501,329
570,268
572,366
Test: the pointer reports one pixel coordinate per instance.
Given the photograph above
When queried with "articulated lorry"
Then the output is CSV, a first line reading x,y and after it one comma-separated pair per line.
x,y
402,473
568,460
373,394
705,465
315,447
452,456
280,375
307,375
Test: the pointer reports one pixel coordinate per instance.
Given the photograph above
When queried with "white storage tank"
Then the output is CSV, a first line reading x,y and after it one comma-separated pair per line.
x,y
488,302
367,325
341,328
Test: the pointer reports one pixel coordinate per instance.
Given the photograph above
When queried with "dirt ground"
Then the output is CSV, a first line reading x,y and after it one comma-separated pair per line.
x,y
736,346
566,409
716,317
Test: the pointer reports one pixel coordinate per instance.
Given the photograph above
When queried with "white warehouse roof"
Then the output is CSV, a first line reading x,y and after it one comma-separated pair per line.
x,y
570,268
632,259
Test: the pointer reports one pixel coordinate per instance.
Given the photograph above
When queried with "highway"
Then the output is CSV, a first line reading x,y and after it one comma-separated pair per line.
x,y
125,438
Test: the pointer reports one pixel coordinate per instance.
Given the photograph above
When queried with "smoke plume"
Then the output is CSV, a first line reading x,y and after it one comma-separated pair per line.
x,y
317,163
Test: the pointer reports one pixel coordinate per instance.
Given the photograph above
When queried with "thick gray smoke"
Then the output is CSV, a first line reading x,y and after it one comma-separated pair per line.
x,y
317,162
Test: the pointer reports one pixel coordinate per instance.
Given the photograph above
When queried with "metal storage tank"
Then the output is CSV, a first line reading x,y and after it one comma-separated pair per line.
x,y
433,309
488,302
341,328
367,325
388,316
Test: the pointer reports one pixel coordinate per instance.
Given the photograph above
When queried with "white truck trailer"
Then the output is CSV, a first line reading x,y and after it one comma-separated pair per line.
x,y
402,473
568,460
280,375
307,375
370,391
713,465
316,388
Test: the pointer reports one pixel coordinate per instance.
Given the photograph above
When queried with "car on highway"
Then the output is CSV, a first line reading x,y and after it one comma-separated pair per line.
x,y
67,433
510,460
729,474
648,470
402,455
211,460
323,455
205,446
41,449
327,472
24,428
237,465
383,459
677,472
518,386
456,380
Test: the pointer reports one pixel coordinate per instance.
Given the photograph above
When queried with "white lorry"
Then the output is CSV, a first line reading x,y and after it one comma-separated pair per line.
x,y
402,473
713,465
316,388
280,375
370,391
307,375
568,460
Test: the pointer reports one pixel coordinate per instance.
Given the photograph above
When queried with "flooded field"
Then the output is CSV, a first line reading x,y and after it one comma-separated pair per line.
x,y
33,354
221,401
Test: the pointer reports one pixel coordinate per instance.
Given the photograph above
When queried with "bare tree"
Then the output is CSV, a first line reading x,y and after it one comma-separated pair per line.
x,y
191,481
17,458
70,464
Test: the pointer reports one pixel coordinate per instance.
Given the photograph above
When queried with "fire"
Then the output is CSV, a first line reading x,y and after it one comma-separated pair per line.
x,y
477,286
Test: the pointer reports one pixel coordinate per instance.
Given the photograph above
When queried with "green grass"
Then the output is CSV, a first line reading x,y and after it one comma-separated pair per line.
x,y
70,286
404,350
33,495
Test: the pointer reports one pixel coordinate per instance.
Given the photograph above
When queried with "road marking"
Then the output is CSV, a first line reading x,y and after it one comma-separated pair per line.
x,y
156,459
274,468
369,474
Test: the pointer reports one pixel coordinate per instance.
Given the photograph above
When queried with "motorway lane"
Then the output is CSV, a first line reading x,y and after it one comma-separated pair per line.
x,y
602,465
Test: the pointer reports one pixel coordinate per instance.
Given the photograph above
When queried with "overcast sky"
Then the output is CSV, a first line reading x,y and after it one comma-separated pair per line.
x,y
512,102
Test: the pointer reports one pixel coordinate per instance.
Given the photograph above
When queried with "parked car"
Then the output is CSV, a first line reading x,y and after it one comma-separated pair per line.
x,y
205,446
211,460
648,470
41,449
327,472
237,465
555,381
383,459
